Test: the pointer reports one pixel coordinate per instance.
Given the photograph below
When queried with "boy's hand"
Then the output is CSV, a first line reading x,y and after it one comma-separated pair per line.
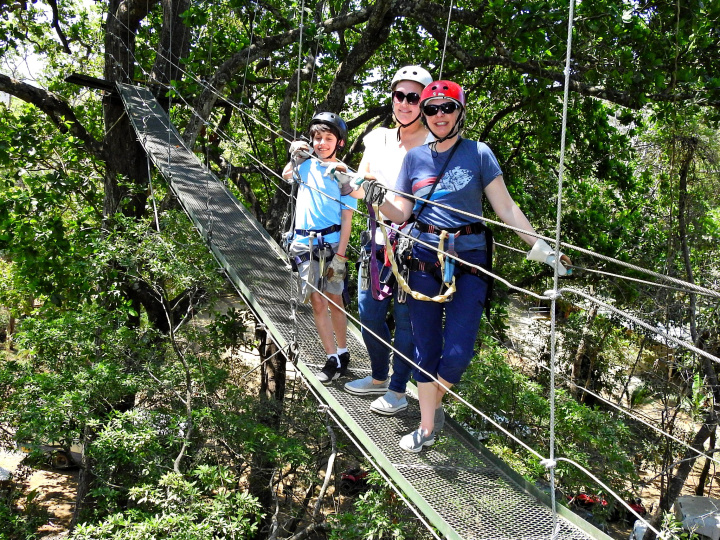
x,y
339,172
362,177
542,252
299,151
337,269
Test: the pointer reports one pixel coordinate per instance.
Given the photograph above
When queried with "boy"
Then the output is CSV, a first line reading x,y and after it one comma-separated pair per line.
x,y
322,229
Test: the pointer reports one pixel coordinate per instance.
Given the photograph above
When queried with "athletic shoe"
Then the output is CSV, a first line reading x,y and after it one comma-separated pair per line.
x,y
389,404
439,419
330,371
414,442
344,363
361,387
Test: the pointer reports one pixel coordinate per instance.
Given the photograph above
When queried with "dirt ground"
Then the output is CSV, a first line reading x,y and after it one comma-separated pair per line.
x,y
56,492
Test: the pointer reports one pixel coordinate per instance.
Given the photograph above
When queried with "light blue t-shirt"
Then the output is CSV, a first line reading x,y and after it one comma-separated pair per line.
x,y
472,168
321,207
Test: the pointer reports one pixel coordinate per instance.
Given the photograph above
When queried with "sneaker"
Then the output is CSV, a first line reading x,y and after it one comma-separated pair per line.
x,y
344,363
361,387
389,404
439,419
414,442
330,371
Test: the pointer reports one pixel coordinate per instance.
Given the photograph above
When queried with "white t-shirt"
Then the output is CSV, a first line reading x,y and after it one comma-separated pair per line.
x,y
385,157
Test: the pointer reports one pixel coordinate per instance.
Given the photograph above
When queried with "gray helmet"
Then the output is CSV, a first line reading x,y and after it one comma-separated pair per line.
x,y
332,120
412,73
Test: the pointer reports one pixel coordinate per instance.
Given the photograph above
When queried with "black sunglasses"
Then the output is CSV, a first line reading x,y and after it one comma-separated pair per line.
x,y
412,97
448,108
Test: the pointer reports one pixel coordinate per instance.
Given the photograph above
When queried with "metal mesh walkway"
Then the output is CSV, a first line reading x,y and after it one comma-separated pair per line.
x,y
464,491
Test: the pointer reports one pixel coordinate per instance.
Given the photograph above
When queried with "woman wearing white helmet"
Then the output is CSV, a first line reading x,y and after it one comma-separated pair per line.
x,y
385,150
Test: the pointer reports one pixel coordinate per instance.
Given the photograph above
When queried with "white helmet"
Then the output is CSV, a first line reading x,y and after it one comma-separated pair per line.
x,y
412,73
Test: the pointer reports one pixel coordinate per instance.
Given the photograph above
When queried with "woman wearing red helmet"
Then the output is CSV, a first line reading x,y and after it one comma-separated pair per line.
x,y
454,172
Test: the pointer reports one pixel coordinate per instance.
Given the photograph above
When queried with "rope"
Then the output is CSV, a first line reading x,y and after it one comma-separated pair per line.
x,y
252,36
299,68
447,295
690,286
447,31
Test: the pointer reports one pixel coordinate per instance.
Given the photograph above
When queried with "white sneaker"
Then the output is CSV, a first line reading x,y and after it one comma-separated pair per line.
x,y
414,442
361,387
389,404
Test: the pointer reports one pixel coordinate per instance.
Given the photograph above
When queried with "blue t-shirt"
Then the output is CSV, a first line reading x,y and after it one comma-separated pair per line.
x,y
321,207
472,168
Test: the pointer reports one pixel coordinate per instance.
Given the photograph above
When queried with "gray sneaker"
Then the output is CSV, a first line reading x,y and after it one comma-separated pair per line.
x,y
389,404
361,387
439,419
414,442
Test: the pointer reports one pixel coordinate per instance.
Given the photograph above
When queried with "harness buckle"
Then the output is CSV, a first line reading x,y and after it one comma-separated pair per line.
x,y
403,254
365,269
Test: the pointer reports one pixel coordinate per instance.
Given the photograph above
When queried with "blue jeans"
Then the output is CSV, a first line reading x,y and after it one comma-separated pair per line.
x,y
446,350
372,317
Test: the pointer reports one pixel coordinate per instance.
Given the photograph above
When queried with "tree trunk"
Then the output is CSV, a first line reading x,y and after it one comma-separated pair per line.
x,y
576,370
702,480
272,394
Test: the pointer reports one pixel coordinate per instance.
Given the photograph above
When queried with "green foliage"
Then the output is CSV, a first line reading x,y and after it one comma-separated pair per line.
x,y
204,504
20,515
377,514
595,438
94,362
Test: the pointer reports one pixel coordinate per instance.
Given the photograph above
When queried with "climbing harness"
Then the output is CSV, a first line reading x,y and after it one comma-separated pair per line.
x,y
318,250
477,227
381,287
402,275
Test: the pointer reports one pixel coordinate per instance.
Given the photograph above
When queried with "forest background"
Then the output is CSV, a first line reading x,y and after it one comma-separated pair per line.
x,y
100,287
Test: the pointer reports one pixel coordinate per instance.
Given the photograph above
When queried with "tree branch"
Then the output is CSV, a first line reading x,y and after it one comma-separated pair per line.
x,y
56,25
254,52
56,109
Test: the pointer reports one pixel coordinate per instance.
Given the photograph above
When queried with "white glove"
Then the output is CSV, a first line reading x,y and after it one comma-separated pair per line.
x,y
542,252
299,151
337,170
336,269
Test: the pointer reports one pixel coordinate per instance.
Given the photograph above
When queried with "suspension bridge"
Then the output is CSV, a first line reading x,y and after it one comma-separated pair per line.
x,y
462,489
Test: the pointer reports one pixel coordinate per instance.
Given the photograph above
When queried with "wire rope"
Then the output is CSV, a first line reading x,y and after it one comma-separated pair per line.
x,y
250,44
690,286
447,31
623,410
299,68
558,224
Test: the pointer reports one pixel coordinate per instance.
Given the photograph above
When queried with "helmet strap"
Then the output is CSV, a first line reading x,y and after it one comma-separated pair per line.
x,y
405,125
453,132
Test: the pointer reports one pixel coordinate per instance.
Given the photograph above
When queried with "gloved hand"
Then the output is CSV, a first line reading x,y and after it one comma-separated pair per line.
x,y
336,269
542,252
338,171
299,151
374,192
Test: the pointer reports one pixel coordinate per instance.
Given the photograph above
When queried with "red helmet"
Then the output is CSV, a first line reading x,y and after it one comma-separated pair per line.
x,y
443,89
